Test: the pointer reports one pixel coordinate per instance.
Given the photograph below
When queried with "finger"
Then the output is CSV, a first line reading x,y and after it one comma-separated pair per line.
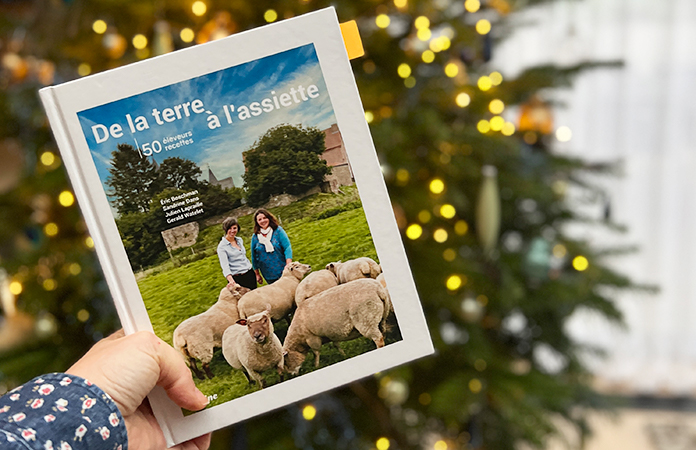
x,y
175,377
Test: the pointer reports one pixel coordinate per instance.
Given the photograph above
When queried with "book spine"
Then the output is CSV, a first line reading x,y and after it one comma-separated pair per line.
x,y
70,158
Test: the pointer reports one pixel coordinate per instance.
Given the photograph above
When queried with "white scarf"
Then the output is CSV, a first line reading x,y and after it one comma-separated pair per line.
x,y
266,240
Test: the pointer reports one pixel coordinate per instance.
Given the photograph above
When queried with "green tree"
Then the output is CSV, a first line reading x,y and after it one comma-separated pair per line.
x,y
141,237
286,159
217,200
178,173
131,177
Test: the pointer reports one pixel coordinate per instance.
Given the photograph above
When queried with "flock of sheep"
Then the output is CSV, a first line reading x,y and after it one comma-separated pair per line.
x,y
342,302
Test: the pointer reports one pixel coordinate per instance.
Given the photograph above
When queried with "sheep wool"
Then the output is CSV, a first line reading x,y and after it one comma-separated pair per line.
x,y
355,269
315,283
341,313
196,337
252,345
279,295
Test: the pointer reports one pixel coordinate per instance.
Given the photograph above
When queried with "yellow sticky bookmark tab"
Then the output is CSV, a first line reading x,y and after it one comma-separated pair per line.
x,y
351,38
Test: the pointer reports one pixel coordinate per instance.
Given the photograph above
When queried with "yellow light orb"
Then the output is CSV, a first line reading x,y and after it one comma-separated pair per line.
x,y
187,35
402,175
472,5
382,21
410,82
83,315
483,126
437,186
424,34
564,134
48,158
435,45
16,288
99,26
451,70
199,8
454,282
463,99
483,26
445,42
309,412
440,235
497,123
84,69
428,56
75,269
496,106
49,284
382,443
580,263
447,211
440,445
369,116
508,129
404,70
139,41
400,3
414,231
496,78
559,250
424,216
421,22
89,242
475,386
484,83
449,255
66,198
461,227
51,229
270,16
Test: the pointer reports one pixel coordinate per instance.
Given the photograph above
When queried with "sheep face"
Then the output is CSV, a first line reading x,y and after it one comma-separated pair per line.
x,y
259,326
297,269
293,361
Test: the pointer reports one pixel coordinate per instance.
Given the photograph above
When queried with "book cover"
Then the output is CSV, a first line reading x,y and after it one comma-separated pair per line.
x,y
162,151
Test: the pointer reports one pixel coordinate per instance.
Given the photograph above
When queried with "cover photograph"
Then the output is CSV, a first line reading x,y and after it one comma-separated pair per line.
x,y
238,210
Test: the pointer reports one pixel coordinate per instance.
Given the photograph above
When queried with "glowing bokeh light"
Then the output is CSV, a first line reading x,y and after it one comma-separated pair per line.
x,y
199,8
453,282
414,231
99,26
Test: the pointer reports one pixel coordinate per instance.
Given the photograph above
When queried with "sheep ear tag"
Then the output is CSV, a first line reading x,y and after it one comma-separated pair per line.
x,y
242,322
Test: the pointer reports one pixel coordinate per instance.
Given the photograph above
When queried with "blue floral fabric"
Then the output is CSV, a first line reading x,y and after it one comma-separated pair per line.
x,y
60,412
272,263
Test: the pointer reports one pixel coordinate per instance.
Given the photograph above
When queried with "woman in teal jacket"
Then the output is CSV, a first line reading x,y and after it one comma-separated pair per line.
x,y
270,247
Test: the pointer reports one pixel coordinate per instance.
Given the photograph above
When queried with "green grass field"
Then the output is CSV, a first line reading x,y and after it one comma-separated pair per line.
x,y
322,228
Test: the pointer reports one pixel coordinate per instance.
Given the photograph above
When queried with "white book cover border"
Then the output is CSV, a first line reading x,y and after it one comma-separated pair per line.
x,y
320,28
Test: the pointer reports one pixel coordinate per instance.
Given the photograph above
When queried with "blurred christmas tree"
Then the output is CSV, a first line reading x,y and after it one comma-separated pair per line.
x,y
478,192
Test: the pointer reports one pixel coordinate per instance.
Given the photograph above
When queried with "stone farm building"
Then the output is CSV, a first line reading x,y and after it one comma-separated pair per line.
x,y
336,158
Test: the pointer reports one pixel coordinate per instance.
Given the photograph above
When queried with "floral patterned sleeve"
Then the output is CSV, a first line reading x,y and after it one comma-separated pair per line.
x,y
60,412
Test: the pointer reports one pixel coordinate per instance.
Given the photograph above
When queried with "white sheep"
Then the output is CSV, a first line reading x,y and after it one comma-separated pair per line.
x,y
196,337
315,283
252,345
354,269
280,294
341,313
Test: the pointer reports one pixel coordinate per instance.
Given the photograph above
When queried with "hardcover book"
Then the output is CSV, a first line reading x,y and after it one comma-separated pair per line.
x,y
264,127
